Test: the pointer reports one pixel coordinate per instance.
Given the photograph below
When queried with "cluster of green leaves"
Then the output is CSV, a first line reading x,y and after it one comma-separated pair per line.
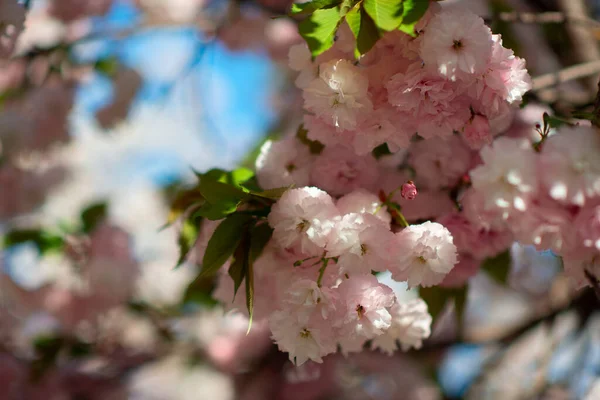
x,y
235,198
367,19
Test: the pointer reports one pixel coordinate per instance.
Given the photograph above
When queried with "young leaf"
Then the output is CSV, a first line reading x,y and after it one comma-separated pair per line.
x,y
223,242
240,175
412,12
386,14
498,267
215,192
364,30
319,29
271,194
184,200
250,293
239,266
260,236
311,6
187,238
221,198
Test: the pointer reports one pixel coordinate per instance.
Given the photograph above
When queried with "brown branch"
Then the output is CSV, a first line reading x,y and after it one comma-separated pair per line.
x,y
568,74
553,17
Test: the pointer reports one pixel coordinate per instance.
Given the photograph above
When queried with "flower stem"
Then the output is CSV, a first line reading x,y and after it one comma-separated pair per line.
x,y
322,271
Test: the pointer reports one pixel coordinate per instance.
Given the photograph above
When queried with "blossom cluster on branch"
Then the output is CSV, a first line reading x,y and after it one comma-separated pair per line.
x,y
380,170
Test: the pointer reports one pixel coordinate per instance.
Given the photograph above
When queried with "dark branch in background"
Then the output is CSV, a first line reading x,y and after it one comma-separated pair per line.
x,y
565,75
551,17
596,122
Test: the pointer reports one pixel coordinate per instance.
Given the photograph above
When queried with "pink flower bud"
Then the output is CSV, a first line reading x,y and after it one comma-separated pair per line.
x,y
477,132
409,191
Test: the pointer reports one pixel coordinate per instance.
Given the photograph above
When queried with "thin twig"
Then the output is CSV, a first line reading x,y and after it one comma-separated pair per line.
x,y
565,75
552,17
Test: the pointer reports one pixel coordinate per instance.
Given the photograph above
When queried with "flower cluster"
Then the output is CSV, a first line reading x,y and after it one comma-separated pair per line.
x,y
435,100
455,76
549,199
317,286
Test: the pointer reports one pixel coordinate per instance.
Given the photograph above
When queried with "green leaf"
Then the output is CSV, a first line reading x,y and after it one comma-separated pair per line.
x,y
250,293
45,242
271,194
311,6
412,12
260,236
498,267
187,238
92,216
241,175
314,146
182,202
215,192
215,212
223,242
239,266
554,121
386,14
319,29
221,198
364,30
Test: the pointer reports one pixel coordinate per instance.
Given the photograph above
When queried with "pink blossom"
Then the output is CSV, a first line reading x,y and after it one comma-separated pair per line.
x,y
303,217
477,132
325,133
569,166
411,323
456,44
431,105
364,304
507,177
361,201
505,81
12,19
283,163
339,94
361,241
409,191
423,254
439,163
303,337
339,171
587,226
378,127
476,240
546,225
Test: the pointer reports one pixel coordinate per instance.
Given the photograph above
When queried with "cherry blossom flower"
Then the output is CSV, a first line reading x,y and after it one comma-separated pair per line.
x,y
569,165
507,177
283,163
361,241
303,217
456,44
339,171
339,94
411,323
423,254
